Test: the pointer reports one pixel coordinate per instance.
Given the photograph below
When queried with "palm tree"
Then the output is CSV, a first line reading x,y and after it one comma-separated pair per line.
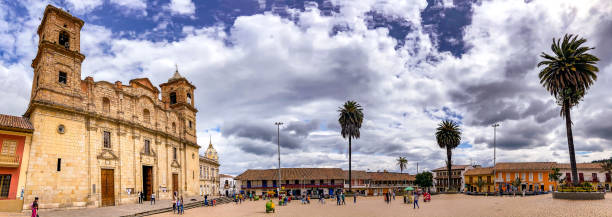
x,y
567,76
351,117
555,176
448,136
401,162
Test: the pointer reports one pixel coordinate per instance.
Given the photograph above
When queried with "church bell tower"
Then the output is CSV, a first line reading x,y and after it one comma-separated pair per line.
x,y
177,95
57,65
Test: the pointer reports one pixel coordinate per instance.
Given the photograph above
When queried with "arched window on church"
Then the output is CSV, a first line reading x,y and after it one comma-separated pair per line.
x,y
173,127
146,115
105,105
64,39
189,98
173,98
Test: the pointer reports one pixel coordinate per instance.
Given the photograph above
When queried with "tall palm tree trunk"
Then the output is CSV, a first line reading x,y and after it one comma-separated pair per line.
x,y
350,177
570,140
448,167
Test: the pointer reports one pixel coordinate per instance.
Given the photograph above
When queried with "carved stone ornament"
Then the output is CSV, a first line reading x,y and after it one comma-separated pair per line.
x,y
107,154
175,164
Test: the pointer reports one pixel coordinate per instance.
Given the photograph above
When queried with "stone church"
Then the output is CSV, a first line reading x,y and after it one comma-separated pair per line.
x,y
97,143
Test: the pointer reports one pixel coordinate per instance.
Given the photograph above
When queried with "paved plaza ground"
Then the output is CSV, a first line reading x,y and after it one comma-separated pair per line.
x,y
441,205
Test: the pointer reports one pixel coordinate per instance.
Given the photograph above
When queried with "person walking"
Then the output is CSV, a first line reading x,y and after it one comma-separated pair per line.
x,y
139,197
337,199
343,201
182,206
354,198
387,197
394,195
34,207
173,204
152,198
177,204
416,200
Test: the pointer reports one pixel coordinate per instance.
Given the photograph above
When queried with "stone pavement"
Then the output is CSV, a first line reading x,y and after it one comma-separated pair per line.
x,y
109,211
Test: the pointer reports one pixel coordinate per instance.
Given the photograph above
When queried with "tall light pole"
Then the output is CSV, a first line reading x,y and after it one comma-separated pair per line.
x,y
494,150
279,168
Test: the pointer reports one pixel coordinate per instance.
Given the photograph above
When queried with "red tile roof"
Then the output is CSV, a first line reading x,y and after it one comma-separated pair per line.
x,y
583,166
387,176
357,174
453,167
9,122
517,166
225,176
292,174
480,171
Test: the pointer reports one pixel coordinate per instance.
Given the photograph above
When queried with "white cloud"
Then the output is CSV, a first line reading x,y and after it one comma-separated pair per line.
x,y
132,5
181,7
272,69
84,6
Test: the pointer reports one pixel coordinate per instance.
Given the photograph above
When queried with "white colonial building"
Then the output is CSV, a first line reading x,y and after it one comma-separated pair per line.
x,y
229,186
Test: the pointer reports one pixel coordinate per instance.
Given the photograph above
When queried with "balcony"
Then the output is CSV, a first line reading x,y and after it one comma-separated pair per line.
x,y
390,185
294,186
9,161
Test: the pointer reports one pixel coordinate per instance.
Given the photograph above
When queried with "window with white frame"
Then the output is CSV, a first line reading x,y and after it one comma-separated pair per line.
x,y
540,177
499,175
523,177
530,177
507,177
516,175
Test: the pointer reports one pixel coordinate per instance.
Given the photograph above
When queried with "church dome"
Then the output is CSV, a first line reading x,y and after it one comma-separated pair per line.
x,y
176,76
211,153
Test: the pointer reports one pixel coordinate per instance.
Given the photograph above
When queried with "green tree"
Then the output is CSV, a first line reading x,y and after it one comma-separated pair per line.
x,y
448,136
402,162
424,180
567,75
480,184
555,176
351,117
516,183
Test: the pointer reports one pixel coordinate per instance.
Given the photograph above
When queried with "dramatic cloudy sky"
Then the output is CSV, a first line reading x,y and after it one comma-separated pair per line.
x,y
410,64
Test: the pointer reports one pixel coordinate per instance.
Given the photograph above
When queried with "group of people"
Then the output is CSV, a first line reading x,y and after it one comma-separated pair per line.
x,y
141,198
340,199
178,204
413,197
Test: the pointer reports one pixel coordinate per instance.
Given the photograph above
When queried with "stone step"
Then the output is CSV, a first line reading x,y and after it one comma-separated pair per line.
x,y
221,200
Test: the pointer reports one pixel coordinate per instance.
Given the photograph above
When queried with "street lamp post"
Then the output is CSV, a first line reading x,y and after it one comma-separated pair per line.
x,y
494,150
279,166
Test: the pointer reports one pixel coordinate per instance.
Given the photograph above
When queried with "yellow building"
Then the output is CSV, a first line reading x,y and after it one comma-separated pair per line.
x,y
209,172
484,176
97,143
533,176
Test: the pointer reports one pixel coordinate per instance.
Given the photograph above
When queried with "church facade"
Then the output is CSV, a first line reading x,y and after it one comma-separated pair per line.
x,y
209,172
97,143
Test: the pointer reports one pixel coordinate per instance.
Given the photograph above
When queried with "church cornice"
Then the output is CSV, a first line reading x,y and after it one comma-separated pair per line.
x,y
178,80
188,106
58,48
208,160
70,109
61,13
